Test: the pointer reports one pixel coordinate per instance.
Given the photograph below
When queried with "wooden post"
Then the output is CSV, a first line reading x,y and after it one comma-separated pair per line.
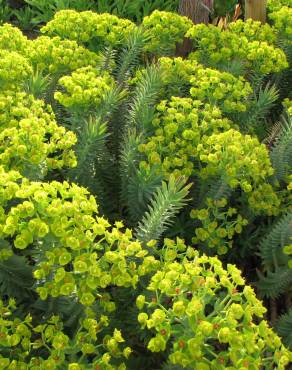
x,y
256,9
198,11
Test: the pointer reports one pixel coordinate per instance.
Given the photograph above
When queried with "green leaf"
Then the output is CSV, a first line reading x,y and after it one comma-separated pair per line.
x,y
271,246
16,279
284,328
275,283
165,204
281,153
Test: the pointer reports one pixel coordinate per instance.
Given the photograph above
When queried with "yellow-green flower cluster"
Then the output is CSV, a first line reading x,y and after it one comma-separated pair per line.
x,y
222,88
113,259
20,338
253,30
84,89
15,106
199,305
164,30
54,55
14,70
239,159
180,125
224,46
176,74
8,186
177,69
213,86
219,224
283,22
264,200
38,208
82,253
216,45
89,28
287,103
265,58
15,336
29,135
12,39
189,141
274,5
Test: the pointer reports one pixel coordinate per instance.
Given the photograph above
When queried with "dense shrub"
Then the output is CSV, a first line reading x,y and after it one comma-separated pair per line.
x,y
132,182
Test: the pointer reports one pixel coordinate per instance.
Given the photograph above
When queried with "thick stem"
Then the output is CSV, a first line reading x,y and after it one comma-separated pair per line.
x,y
273,310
